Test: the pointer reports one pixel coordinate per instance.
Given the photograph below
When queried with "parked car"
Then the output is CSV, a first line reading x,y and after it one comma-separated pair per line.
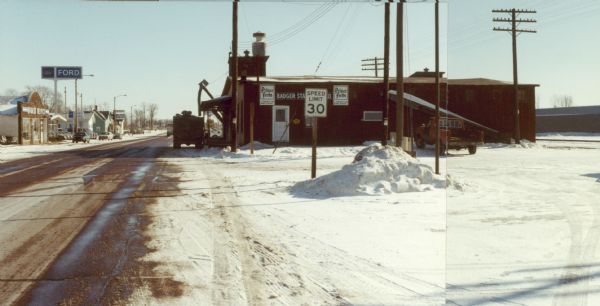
x,y
81,136
105,136
453,135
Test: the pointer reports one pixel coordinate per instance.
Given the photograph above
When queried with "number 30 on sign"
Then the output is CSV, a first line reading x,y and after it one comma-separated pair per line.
x,y
315,102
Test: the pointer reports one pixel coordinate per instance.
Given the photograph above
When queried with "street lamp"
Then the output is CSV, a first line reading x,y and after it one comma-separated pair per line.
x,y
114,108
76,118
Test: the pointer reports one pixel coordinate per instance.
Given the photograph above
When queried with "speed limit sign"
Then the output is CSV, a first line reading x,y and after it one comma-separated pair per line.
x,y
315,102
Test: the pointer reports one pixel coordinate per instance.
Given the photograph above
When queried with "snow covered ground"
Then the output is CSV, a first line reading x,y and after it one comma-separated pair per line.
x,y
569,136
519,225
525,228
304,248
14,151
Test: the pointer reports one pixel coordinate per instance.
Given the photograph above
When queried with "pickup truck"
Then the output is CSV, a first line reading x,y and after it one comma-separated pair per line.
x,y
453,135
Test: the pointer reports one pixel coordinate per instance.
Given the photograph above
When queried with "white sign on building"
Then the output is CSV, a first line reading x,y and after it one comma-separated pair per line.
x,y
315,102
340,95
267,95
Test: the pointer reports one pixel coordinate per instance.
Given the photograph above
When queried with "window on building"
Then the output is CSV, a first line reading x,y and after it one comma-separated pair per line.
x,y
280,115
372,116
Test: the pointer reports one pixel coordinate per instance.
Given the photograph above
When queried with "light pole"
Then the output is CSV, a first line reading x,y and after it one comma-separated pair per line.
x,y
114,107
75,117
131,120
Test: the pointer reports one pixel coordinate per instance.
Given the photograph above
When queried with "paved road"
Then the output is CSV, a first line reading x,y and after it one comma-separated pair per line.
x,y
72,224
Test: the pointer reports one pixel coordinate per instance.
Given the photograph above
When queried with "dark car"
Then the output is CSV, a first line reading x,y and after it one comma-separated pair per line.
x,y
81,136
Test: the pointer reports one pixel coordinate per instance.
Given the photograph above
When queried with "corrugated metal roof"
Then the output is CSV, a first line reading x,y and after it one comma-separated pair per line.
x,y
334,79
223,101
416,102
568,111
8,109
366,79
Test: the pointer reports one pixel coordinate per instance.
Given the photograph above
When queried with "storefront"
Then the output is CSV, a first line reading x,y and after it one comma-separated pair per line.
x,y
33,119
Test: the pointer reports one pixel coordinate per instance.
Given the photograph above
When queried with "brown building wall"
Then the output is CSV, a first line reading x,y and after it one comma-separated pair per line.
x,y
490,105
344,125
587,123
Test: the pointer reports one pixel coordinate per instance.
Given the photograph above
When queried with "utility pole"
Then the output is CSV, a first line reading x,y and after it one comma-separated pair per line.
x,y
515,31
75,117
56,94
66,109
82,111
372,64
234,77
437,87
399,73
386,71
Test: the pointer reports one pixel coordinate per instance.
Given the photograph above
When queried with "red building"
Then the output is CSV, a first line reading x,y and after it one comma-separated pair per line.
x,y
279,111
355,105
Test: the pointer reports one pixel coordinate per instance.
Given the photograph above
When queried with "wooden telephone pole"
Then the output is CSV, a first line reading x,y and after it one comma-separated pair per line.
x,y
234,78
399,73
386,72
437,87
515,31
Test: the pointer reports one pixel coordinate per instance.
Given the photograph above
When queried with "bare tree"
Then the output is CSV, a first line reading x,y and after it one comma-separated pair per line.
x,y
105,107
11,92
562,101
139,118
152,108
47,96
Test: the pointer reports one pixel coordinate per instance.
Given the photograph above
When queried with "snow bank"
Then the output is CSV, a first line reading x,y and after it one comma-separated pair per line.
x,y
375,170
257,146
524,144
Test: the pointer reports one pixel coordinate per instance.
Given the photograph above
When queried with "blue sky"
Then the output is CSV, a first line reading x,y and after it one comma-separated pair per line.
x,y
157,52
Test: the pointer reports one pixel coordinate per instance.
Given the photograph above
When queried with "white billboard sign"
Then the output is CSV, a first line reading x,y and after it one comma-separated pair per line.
x,y
267,95
340,95
315,102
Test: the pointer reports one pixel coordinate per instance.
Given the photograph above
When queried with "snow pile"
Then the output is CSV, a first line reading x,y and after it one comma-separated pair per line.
x,y
526,144
257,146
376,170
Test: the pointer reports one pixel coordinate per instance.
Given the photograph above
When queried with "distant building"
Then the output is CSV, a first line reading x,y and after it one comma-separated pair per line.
x,y
582,119
25,119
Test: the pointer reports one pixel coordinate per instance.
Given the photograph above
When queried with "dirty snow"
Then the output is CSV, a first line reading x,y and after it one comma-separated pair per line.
x,y
375,170
14,151
519,227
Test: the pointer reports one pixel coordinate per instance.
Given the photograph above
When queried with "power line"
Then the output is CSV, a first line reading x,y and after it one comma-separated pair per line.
x,y
333,38
299,26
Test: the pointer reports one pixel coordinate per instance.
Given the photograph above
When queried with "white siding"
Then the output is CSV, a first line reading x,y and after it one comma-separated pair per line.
x,y
9,126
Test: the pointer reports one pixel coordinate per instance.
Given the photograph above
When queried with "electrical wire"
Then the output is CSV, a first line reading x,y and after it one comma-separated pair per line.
x,y
299,26
333,38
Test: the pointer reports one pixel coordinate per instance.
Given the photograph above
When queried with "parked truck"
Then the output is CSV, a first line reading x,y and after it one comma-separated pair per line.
x,y
188,129
453,135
